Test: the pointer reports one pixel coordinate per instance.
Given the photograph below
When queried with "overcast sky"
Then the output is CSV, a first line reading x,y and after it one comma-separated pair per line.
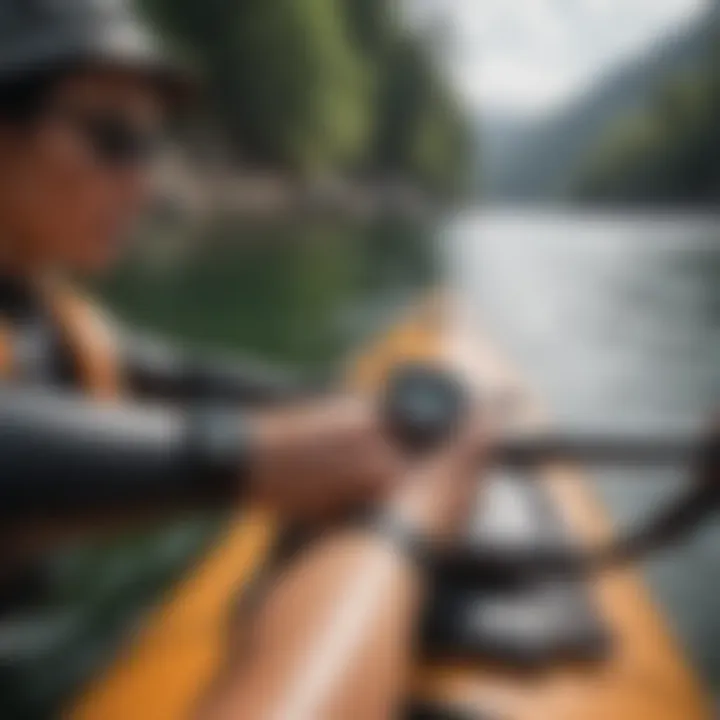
x,y
528,56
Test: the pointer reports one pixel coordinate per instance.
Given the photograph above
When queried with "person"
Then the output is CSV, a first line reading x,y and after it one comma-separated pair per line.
x,y
85,94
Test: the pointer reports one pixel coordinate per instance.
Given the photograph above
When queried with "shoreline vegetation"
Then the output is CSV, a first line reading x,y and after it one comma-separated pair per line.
x,y
315,106
187,192
668,149
643,135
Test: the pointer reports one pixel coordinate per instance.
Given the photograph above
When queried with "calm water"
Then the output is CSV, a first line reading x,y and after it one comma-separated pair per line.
x,y
611,317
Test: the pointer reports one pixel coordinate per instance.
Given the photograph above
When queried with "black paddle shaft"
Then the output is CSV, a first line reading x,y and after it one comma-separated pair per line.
x,y
424,406
619,446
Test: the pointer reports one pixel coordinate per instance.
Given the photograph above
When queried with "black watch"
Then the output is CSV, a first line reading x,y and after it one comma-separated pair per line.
x,y
404,538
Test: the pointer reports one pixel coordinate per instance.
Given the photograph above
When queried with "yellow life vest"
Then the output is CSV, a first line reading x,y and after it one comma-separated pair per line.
x,y
89,338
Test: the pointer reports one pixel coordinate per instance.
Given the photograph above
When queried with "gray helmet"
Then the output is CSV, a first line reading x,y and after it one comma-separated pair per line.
x,y
37,35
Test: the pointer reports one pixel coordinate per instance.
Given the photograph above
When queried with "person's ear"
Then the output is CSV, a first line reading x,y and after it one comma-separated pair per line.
x,y
11,138
8,134
5,144
10,149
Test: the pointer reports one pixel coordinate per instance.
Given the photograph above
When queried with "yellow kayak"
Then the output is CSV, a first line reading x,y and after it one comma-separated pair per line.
x,y
619,663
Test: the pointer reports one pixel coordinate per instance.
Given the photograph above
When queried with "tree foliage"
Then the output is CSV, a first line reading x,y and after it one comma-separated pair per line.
x,y
323,85
668,152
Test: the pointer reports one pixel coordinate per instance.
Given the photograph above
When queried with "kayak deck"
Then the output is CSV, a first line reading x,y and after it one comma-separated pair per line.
x,y
523,627
165,672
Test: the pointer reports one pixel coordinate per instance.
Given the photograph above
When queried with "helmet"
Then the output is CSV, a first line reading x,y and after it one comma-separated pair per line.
x,y
39,35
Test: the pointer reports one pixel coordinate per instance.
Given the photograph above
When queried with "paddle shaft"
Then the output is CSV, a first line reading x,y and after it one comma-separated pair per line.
x,y
424,406
621,447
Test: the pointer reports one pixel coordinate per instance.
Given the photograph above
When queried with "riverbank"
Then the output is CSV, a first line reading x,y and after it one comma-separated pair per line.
x,y
199,192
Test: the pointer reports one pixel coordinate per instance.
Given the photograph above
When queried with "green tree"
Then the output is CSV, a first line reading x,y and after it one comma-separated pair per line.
x,y
668,152
322,85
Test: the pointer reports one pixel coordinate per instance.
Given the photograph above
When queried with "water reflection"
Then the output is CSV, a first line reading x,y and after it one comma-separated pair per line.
x,y
293,294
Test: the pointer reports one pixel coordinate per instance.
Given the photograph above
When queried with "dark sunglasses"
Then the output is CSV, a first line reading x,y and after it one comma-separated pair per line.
x,y
115,141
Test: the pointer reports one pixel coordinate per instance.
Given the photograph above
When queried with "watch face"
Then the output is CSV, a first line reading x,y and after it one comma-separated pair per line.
x,y
424,406
428,402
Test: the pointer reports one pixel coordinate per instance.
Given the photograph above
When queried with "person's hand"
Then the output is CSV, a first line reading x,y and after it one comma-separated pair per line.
x,y
313,462
438,495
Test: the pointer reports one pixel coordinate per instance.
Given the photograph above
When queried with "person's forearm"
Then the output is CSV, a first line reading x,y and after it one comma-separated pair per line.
x,y
68,458
64,456
333,639
334,636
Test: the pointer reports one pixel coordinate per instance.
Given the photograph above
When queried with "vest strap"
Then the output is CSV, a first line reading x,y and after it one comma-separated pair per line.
x,y
89,338
91,341
6,351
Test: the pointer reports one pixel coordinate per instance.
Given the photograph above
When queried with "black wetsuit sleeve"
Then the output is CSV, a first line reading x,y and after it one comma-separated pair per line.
x,y
158,370
61,454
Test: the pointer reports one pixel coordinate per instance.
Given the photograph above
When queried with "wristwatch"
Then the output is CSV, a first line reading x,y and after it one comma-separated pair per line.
x,y
399,533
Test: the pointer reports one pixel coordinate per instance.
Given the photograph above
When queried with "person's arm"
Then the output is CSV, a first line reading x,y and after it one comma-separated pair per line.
x,y
70,465
334,637
65,458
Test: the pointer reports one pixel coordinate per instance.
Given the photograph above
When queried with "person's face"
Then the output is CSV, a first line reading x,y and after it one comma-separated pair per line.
x,y
73,181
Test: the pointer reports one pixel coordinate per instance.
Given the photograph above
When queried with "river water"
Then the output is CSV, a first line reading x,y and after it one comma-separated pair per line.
x,y
611,317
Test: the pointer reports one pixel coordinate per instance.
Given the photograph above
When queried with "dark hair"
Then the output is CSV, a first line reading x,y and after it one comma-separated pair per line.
x,y
23,99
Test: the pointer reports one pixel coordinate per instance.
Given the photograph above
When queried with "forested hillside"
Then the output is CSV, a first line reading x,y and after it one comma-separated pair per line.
x,y
602,144
317,86
666,152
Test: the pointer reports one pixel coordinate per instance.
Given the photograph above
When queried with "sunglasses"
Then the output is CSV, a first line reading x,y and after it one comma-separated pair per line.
x,y
115,141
